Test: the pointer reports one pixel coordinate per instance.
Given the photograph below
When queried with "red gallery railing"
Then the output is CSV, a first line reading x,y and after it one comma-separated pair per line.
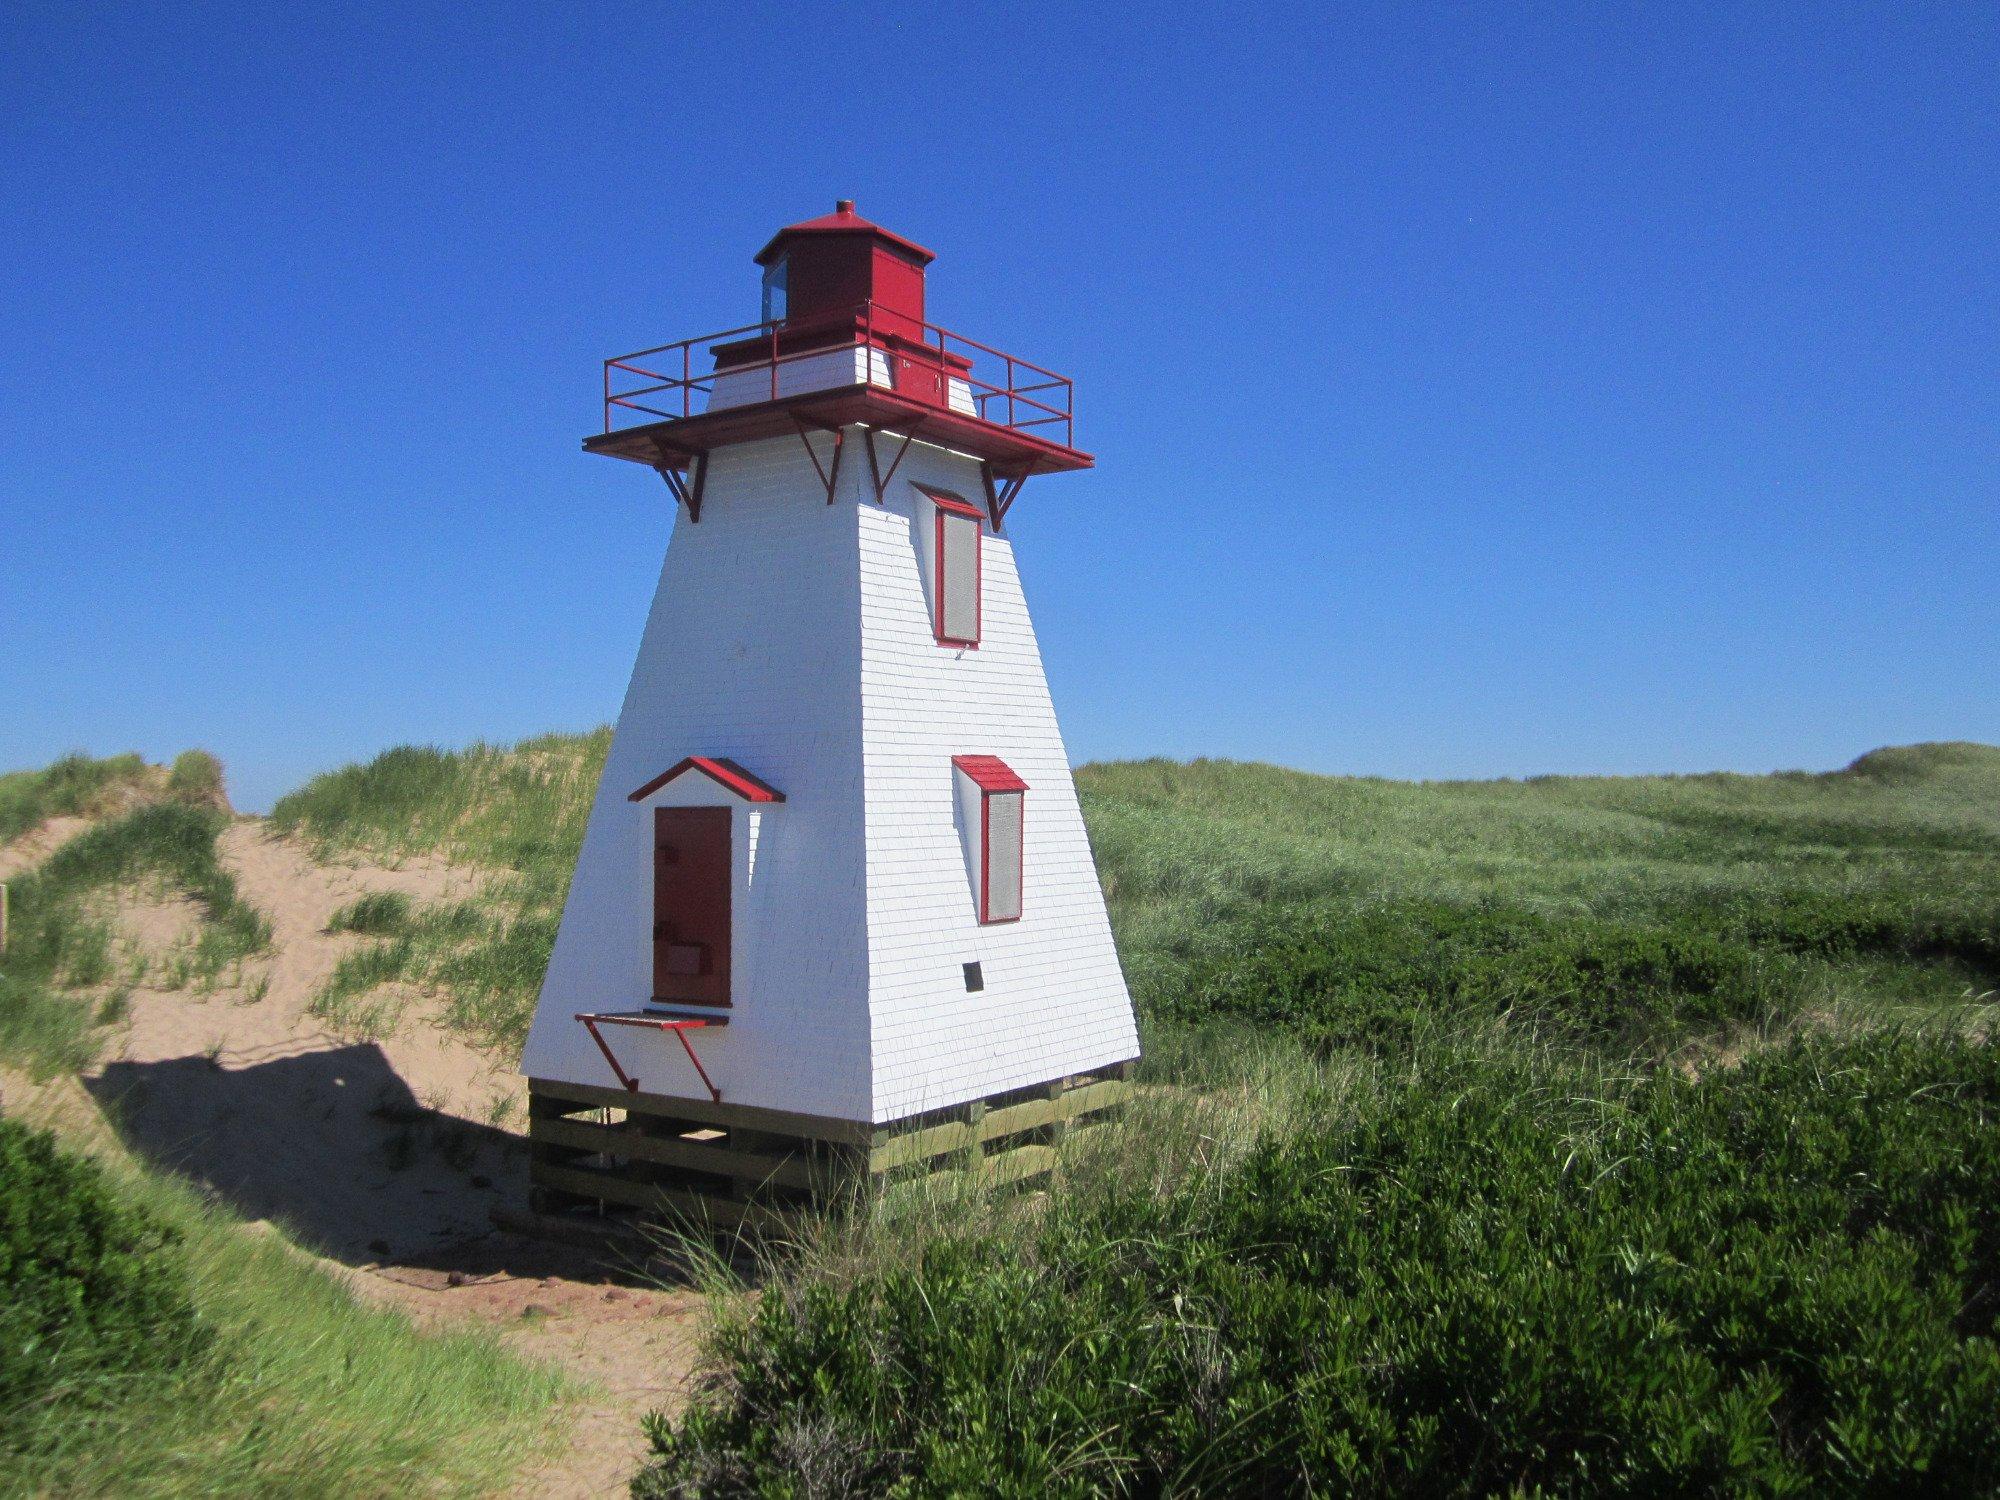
x,y
1030,397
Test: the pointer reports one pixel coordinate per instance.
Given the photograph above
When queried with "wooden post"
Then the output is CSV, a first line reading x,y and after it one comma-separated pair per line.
x,y
1058,1129
975,1116
3,916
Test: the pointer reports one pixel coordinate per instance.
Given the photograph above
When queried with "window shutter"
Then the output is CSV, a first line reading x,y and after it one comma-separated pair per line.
x,y
958,578
1003,856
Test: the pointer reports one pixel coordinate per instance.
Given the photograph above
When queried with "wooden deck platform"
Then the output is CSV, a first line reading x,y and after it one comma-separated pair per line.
x,y
731,1166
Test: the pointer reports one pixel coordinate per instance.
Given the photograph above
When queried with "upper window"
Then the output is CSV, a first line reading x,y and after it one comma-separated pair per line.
x,y
774,290
955,571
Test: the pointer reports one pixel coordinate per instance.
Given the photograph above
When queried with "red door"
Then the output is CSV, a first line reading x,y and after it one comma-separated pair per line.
x,y
691,905
921,378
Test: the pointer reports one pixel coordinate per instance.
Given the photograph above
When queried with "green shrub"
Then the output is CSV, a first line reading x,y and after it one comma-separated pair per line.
x,y
1387,976
93,1294
377,914
1496,1277
196,777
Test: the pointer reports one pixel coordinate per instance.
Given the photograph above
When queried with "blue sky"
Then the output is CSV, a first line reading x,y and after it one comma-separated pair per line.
x,y
1481,390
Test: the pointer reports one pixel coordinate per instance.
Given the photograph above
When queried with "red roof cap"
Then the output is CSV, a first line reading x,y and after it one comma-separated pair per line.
x,y
990,773
843,220
721,769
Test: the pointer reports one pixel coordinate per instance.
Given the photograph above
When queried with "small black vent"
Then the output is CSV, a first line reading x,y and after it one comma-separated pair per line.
x,y
974,980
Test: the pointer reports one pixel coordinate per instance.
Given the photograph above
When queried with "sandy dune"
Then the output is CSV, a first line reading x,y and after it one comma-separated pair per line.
x,y
37,844
381,1154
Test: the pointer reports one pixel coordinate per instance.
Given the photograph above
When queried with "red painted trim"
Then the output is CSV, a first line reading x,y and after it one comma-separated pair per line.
x,y
989,773
875,469
957,504
949,504
719,769
986,917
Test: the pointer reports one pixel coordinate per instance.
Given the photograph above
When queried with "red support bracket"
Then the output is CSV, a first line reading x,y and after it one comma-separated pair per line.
x,y
671,461
875,468
680,1026
828,476
999,501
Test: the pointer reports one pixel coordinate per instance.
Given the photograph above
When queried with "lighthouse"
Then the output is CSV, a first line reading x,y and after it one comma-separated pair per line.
x,y
835,914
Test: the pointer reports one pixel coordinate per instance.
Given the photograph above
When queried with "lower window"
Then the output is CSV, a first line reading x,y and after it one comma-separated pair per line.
x,y
993,803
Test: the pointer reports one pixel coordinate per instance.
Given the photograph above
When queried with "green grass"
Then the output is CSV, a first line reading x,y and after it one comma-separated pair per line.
x,y
74,785
1347,908
300,1390
1573,1135
1344,910
377,914
517,811
196,776
58,942
96,1292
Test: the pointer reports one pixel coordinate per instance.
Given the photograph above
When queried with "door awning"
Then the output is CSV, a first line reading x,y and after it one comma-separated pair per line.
x,y
720,769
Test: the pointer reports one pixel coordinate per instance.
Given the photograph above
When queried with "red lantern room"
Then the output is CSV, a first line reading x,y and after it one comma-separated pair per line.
x,y
828,266
842,343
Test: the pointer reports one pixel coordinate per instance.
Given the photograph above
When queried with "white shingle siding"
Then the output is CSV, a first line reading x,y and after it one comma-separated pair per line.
x,y
796,638
828,371
751,651
832,370
1055,1000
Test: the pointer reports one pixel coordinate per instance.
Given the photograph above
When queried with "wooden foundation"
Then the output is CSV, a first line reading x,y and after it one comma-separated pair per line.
x,y
731,1166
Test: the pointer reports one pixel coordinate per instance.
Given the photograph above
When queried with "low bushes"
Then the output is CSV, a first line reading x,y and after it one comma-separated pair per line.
x,y
1384,977
93,1293
1494,1275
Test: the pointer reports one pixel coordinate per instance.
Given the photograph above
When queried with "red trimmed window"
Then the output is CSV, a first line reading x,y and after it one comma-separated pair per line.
x,y
955,570
998,862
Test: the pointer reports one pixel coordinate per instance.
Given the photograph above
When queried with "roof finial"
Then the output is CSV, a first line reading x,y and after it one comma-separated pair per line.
x,y
843,205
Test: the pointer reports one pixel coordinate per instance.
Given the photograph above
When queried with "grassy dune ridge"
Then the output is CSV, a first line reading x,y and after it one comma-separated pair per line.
x,y
60,941
1573,1136
153,1347
73,785
518,811
1340,909
1344,909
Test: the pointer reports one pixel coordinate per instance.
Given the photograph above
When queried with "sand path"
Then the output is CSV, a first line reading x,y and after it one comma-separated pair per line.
x,y
384,1154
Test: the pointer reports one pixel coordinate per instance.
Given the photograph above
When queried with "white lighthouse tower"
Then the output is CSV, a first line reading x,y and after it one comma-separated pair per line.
x,y
836,912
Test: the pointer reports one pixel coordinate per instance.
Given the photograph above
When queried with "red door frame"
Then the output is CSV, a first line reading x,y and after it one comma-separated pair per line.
x,y
986,918
970,513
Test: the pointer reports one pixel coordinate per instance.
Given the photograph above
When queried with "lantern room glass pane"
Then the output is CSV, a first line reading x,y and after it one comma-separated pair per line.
x,y
1003,856
774,289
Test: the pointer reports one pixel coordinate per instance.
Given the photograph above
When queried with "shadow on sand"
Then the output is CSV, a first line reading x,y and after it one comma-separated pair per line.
x,y
331,1143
